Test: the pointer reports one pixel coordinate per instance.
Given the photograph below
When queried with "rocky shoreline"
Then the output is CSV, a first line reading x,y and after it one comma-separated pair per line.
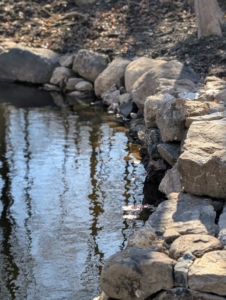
x,y
180,122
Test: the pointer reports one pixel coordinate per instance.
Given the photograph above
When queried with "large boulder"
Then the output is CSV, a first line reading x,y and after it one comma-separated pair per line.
x,y
19,63
186,214
202,164
89,64
110,75
197,244
179,293
137,68
136,273
208,274
169,76
214,116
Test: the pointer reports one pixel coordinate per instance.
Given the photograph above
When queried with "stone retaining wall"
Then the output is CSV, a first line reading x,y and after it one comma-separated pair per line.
x,y
180,122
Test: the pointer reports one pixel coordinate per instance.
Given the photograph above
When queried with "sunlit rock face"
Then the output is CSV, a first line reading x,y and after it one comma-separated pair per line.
x,y
136,273
202,164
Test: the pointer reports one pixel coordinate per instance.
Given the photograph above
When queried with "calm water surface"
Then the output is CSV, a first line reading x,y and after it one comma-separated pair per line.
x,y
64,176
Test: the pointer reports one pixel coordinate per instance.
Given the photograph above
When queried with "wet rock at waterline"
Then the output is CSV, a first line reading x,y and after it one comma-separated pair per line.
x,y
60,75
152,139
197,244
70,83
145,237
89,64
171,182
202,164
207,274
111,96
110,76
180,293
186,214
136,273
170,152
25,64
83,86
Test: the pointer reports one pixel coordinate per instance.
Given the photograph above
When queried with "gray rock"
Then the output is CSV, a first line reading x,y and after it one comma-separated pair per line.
x,y
125,109
110,75
186,214
172,115
170,152
170,72
197,244
124,98
170,235
19,63
152,105
60,75
89,64
202,164
210,117
214,83
152,139
145,237
171,182
179,293
207,274
67,60
70,83
89,95
137,68
181,269
137,130
222,226
136,273
51,87
111,96
84,86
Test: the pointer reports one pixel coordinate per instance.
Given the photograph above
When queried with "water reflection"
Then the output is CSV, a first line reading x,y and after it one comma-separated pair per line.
x,y
63,181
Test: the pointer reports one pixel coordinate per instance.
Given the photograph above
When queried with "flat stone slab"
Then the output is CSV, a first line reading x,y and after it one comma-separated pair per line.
x,y
186,214
202,164
208,274
197,244
20,63
136,273
186,294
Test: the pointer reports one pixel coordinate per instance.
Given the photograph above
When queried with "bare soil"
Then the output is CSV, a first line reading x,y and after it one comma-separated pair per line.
x,y
152,28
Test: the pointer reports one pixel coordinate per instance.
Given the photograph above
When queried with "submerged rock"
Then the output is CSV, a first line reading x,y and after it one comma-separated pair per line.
x,y
136,273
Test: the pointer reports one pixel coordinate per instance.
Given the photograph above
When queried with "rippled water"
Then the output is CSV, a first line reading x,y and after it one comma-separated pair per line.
x,y
64,176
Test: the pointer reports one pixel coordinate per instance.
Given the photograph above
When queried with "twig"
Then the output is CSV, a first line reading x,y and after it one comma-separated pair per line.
x,y
72,14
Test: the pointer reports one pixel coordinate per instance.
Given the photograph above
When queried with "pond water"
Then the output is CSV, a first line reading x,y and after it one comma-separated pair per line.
x,y
65,173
